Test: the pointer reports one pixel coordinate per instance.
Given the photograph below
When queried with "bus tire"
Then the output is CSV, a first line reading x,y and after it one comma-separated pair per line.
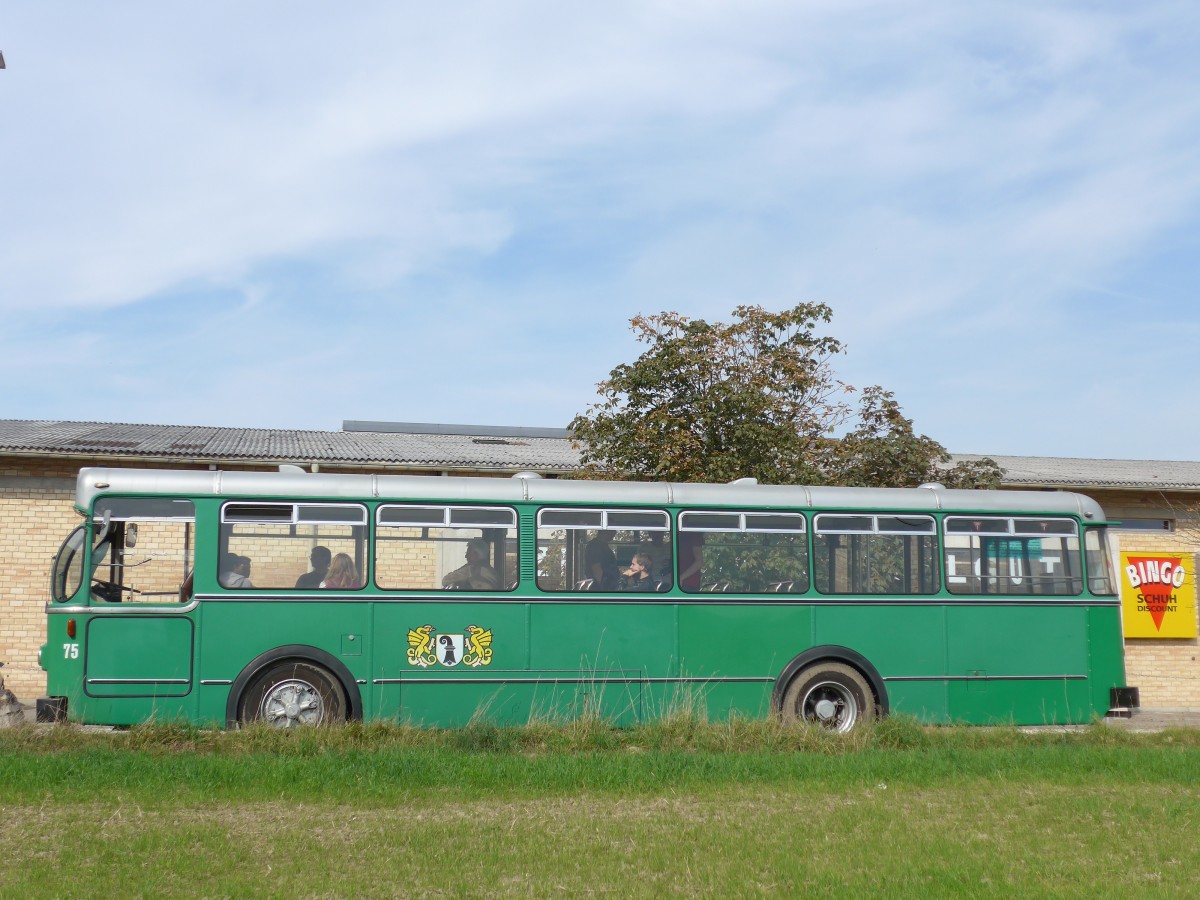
x,y
293,694
830,694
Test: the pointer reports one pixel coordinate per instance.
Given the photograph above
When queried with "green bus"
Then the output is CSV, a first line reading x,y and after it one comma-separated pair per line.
x,y
299,598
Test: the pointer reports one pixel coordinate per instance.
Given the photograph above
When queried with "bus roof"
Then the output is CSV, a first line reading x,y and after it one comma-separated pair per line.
x,y
294,483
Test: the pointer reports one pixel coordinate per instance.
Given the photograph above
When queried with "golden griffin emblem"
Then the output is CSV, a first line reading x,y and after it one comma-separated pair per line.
x,y
474,647
420,652
479,646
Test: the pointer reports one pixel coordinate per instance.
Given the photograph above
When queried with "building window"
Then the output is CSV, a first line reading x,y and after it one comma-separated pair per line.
x,y
1130,524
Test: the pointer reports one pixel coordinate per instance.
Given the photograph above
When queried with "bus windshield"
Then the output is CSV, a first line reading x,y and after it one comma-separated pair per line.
x,y
67,572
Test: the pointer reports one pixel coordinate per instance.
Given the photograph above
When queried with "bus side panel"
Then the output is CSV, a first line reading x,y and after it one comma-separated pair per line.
x,y
136,668
1018,663
904,641
420,679
1106,654
62,660
716,646
250,627
594,657
160,667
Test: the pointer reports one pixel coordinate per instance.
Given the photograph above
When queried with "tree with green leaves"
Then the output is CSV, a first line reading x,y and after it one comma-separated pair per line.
x,y
756,397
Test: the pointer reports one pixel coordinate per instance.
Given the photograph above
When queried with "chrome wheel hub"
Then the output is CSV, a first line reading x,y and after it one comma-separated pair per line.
x,y
292,703
830,704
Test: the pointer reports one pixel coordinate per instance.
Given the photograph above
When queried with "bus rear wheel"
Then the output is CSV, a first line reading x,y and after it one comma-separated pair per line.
x,y
830,694
293,695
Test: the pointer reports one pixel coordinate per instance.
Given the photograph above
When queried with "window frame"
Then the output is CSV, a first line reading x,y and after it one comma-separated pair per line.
x,y
743,518
875,529
1081,579
742,527
295,520
448,509
936,550
603,525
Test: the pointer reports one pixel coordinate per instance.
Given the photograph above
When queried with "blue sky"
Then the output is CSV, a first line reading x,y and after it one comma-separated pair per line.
x,y
291,214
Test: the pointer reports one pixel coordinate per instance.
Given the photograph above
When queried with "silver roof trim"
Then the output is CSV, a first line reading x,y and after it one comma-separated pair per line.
x,y
96,481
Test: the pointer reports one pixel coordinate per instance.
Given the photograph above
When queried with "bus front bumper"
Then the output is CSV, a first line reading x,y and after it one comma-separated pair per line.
x,y
51,709
1122,701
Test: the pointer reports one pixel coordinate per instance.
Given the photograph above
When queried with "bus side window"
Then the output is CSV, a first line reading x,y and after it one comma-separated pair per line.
x,y
280,538
876,554
1004,555
446,548
751,552
588,550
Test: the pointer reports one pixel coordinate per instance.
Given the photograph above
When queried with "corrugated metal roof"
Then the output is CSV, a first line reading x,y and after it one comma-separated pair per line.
x,y
436,451
1057,471
492,448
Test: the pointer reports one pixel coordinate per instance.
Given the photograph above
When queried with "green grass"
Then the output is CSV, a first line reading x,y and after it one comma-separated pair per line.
x,y
679,807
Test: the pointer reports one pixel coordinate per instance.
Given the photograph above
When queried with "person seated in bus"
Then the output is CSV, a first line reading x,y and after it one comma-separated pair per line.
x,y
638,576
235,571
659,553
320,558
476,574
601,562
691,560
342,574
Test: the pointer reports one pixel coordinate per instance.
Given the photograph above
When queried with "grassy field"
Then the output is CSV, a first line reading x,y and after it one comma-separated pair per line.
x,y
675,808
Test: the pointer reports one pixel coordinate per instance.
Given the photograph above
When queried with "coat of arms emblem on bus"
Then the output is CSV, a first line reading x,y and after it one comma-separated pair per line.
x,y
426,647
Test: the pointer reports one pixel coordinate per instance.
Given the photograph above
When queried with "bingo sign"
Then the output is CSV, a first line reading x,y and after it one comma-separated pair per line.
x,y
1158,595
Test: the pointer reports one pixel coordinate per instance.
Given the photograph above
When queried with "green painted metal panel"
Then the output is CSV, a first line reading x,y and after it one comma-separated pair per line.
x,y
898,639
928,701
417,682
1007,702
742,639
1016,640
585,638
138,656
238,631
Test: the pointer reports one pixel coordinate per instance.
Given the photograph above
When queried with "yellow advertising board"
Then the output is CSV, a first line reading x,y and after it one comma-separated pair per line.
x,y
1158,595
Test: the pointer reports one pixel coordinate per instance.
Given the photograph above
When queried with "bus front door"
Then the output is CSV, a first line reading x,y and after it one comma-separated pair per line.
x,y
138,655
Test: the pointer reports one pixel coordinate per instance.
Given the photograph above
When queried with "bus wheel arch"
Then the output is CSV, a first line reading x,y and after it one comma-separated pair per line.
x,y
826,678
310,668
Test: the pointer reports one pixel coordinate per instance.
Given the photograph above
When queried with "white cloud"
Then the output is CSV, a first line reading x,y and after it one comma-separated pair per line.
x,y
943,175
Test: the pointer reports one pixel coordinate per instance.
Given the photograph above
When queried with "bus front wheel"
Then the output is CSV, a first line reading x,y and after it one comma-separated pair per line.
x,y
830,694
293,695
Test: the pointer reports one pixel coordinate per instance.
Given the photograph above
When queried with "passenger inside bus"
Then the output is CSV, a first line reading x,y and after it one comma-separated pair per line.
x,y
477,574
342,574
235,571
691,560
659,552
637,576
320,558
602,562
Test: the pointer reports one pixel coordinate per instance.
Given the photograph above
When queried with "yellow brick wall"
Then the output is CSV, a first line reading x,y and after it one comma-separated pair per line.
x,y
35,516
1165,671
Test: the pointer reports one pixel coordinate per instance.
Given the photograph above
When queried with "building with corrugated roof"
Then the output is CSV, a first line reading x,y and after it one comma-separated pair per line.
x,y
1154,501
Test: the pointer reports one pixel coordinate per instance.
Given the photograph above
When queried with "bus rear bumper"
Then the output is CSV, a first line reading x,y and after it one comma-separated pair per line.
x,y
51,709
1122,701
